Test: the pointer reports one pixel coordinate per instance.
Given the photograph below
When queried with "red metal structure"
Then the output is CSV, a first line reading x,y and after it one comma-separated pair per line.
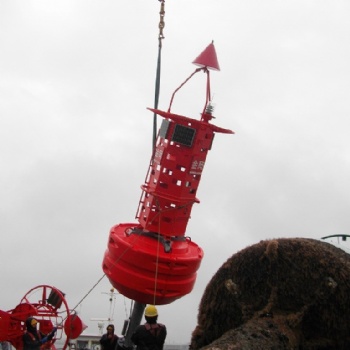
x,y
48,305
152,261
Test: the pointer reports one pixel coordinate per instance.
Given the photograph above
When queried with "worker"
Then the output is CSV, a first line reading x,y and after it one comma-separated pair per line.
x,y
109,340
152,334
34,339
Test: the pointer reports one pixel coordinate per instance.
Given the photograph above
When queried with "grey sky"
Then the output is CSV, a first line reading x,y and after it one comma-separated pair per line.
x,y
75,135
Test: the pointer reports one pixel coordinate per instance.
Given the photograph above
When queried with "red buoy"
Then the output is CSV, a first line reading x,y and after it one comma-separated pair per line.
x,y
152,261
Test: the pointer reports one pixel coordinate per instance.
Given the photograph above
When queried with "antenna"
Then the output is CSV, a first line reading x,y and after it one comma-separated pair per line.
x,y
112,297
101,321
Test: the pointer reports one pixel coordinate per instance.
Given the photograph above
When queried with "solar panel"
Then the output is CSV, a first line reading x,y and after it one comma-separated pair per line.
x,y
183,135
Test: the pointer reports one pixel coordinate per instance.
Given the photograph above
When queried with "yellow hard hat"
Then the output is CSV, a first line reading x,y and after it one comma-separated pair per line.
x,y
31,322
151,311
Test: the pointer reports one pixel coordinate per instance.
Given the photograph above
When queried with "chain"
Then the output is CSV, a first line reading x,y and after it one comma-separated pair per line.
x,y
161,21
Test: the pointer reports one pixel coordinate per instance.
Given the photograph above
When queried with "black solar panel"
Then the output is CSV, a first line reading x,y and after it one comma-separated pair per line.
x,y
183,135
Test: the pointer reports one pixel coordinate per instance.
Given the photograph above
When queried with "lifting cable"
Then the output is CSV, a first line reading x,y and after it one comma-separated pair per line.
x,y
104,275
91,289
157,85
156,100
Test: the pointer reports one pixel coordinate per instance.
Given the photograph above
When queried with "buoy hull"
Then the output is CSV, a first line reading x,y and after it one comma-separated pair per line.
x,y
139,267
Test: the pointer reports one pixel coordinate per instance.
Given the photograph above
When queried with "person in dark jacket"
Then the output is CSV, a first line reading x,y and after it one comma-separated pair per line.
x,y
151,335
109,340
32,338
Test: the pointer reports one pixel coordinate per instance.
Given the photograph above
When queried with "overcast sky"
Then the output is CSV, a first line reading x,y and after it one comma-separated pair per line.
x,y
76,77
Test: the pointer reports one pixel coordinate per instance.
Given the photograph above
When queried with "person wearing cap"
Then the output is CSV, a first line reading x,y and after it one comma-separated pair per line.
x,y
151,335
34,339
109,340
